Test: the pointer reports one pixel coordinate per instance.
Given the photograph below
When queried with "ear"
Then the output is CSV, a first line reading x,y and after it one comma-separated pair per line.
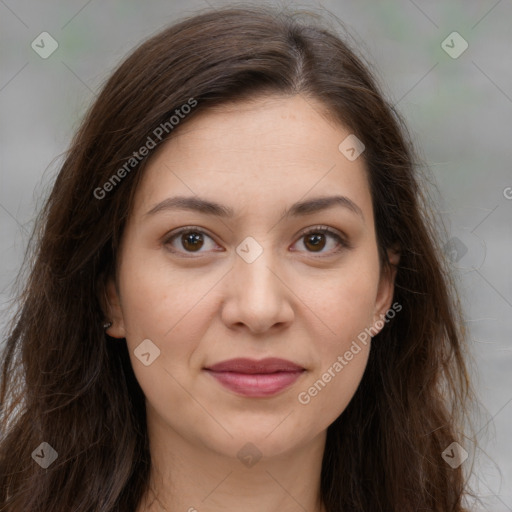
x,y
386,285
111,306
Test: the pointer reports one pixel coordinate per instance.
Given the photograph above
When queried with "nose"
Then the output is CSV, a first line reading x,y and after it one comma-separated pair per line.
x,y
257,295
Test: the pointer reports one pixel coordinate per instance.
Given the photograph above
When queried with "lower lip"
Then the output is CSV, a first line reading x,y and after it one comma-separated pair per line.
x,y
257,384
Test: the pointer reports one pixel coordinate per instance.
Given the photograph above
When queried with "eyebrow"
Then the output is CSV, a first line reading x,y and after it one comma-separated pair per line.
x,y
299,209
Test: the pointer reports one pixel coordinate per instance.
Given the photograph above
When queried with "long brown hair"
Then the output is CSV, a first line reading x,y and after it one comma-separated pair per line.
x,y
66,383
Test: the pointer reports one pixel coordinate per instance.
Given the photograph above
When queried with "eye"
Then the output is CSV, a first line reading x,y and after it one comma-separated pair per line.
x,y
191,239
315,239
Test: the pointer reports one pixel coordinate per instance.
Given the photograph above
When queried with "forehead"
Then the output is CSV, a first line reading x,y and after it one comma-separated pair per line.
x,y
260,152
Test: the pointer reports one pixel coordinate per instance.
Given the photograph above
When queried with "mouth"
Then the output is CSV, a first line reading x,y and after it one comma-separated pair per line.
x,y
252,378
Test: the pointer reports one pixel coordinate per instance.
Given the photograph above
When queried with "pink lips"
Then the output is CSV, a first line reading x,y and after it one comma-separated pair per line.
x,y
249,377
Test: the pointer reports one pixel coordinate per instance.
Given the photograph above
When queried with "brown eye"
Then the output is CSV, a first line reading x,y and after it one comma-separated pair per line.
x,y
189,240
192,241
316,239
315,242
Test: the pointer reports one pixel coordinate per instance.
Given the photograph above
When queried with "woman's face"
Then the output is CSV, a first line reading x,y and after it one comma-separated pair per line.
x,y
248,281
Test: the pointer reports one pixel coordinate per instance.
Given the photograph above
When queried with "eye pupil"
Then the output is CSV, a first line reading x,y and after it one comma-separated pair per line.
x,y
317,240
192,238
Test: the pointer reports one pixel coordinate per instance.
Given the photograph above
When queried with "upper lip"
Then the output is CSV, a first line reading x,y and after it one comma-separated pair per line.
x,y
244,365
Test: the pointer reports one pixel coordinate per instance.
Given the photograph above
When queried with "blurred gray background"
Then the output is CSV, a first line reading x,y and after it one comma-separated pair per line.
x,y
456,100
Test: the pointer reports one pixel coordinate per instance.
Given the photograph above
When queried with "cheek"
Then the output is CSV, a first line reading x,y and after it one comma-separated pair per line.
x,y
346,307
345,304
327,395
165,305
340,358
152,295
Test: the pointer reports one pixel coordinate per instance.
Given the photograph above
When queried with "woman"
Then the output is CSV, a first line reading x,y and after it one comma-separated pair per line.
x,y
237,298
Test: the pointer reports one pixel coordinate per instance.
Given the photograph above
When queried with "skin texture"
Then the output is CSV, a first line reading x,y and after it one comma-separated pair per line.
x,y
203,307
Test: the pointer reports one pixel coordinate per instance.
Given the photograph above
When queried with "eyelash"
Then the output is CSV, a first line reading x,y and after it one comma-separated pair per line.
x,y
343,243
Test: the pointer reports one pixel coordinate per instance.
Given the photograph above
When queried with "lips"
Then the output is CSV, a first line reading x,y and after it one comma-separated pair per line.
x,y
269,365
253,378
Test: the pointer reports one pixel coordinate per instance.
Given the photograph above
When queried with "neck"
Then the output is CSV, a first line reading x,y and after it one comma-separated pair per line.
x,y
186,476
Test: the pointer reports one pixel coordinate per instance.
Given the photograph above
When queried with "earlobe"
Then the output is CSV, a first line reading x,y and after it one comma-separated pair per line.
x,y
112,307
386,285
